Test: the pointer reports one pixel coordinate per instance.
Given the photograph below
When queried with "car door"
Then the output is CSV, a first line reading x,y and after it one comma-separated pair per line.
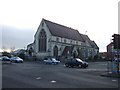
x,y
76,63
73,62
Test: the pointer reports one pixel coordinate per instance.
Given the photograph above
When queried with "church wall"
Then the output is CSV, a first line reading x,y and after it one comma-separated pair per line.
x,y
61,44
42,54
65,41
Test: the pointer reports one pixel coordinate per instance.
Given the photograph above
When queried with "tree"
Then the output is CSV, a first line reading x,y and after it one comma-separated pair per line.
x,y
21,55
80,55
6,54
12,48
4,48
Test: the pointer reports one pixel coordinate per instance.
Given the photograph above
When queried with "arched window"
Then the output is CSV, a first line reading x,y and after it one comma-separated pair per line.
x,y
30,51
55,51
42,41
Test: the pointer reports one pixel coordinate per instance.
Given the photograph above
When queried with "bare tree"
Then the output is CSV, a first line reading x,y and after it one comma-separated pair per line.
x,y
12,48
4,48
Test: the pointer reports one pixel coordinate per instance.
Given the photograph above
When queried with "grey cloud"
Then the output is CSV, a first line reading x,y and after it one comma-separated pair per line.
x,y
19,38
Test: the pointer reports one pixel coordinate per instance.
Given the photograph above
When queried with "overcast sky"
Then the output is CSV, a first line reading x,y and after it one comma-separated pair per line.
x,y
19,19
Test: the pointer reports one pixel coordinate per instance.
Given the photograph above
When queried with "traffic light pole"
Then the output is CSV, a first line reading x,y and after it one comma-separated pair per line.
x,y
117,54
118,61
116,42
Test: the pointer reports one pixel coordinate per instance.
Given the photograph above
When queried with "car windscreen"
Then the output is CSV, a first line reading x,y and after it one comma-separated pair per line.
x,y
79,60
53,59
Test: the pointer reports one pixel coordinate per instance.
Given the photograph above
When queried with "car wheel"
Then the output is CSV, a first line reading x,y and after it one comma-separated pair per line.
x,y
67,65
53,62
72,66
80,66
85,66
10,62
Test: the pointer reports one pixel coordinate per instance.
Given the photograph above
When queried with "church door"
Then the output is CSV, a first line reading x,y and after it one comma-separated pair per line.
x,y
55,51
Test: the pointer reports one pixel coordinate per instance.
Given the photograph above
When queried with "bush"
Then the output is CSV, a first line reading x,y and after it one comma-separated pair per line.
x,y
96,57
21,56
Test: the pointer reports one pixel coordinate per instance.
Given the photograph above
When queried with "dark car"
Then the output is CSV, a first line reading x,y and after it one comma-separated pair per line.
x,y
76,62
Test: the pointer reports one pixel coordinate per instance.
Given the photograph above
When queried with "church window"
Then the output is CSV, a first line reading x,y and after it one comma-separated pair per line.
x,y
76,42
42,41
42,24
57,39
55,52
65,40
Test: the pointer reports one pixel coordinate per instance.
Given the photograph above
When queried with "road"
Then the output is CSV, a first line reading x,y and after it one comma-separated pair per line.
x,y
38,75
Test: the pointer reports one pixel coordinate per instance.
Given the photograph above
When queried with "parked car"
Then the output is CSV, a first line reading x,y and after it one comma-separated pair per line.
x,y
1,58
6,59
16,59
76,62
51,61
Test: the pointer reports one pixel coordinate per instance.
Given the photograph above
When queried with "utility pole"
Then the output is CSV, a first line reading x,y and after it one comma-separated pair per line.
x,y
116,43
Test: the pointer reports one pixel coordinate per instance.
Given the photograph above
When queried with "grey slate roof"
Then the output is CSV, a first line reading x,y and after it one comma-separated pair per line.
x,y
85,37
63,31
92,43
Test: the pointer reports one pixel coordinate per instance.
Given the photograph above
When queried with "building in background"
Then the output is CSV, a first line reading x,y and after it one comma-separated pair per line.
x,y
112,53
55,40
103,55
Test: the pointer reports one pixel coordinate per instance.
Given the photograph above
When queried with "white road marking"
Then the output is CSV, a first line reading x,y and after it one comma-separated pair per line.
x,y
53,81
38,78
109,72
114,80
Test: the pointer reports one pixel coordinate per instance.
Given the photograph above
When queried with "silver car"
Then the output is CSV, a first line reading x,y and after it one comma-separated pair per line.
x,y
51,61
16,59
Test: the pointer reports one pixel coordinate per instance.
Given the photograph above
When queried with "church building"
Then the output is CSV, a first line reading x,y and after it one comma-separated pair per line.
x,y
55,40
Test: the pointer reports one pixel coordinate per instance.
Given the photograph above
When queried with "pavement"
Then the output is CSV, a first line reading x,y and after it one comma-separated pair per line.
x,y
111,74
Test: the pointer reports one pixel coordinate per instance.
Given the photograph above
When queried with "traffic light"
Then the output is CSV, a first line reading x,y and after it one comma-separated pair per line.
x,y
116,41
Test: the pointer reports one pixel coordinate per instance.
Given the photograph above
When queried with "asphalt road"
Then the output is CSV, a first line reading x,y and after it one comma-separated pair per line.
x,y
39,75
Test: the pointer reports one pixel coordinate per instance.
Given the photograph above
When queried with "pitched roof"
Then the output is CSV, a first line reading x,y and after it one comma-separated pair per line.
x,y
86,38
92,43
63,31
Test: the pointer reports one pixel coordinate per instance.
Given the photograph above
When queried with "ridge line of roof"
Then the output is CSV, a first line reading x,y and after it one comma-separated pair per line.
x,y
60,25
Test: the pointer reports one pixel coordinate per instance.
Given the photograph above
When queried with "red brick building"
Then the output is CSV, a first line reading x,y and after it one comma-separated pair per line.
x,y
103,55
111,52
